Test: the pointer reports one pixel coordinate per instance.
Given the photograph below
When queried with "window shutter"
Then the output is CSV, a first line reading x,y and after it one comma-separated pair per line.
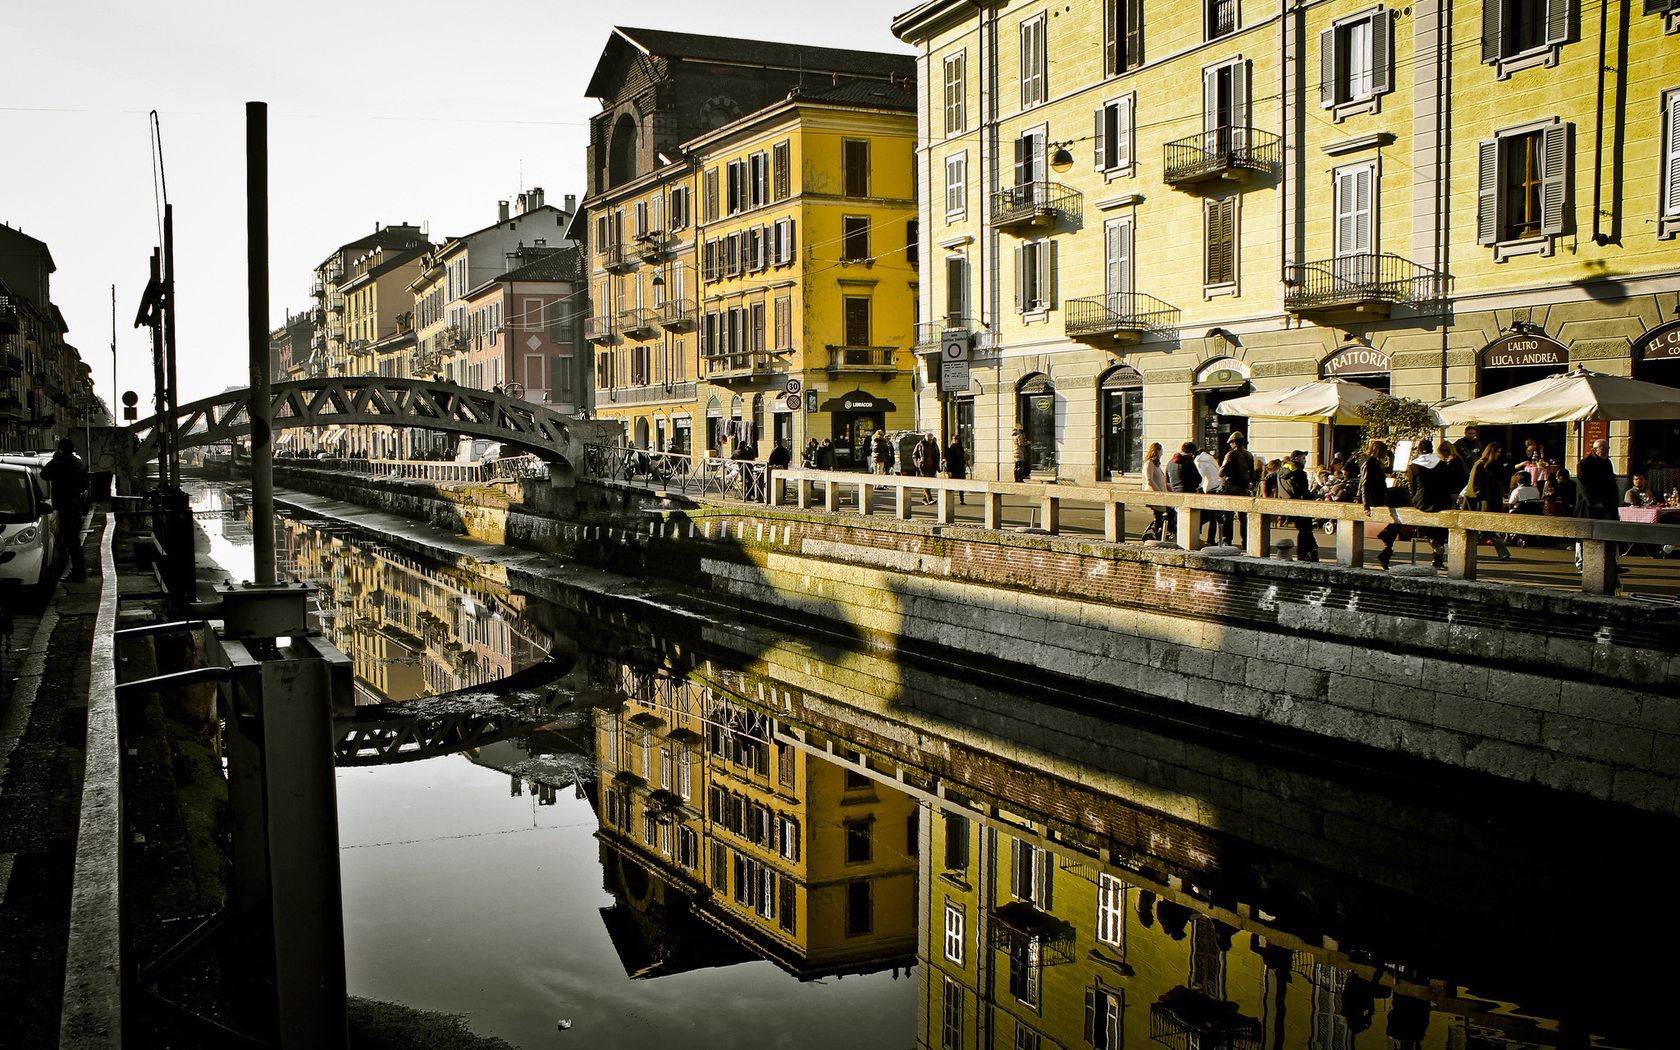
x,y
1111,259
1123,132
1671,177
1327,63
1554,179
1382,62
1099,138
1091,1016
1557,21
1023,161
1344,212
1047,262
1046,869
1021,278
1492,30
1487,193
1239,95
1111,37
1132,56
956,286
1210,100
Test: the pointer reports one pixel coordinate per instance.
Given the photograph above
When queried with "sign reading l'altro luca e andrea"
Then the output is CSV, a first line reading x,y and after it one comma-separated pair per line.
x,y
1524,351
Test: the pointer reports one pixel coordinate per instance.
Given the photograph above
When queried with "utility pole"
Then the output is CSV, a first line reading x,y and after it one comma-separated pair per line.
x,y
160,394
169,325
259,405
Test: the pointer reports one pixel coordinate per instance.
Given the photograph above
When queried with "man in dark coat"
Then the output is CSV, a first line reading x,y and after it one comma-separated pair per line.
x,y
925,458
1426,481
1293,484
69,484
956,463
1595,480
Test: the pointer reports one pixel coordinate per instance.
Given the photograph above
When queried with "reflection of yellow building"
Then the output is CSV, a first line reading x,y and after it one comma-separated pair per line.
x,y
780,846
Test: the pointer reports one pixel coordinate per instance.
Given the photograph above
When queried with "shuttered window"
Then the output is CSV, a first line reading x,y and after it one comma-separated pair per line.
x,y
1034,83
1104,1012
1111,911
1523,183
1117,256
954,933
1220,220
1355,60
956,290
1122,36
1223,18
1515,28
711,195
784,323
1113,134
951,1022
1035,276
857,320
679,207
1671,165
1029,158
956,184
855,160
956,93
782,161
1225,103
854,239
1356,210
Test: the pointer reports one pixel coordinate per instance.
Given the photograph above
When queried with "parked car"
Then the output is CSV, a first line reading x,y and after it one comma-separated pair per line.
x,y
28,524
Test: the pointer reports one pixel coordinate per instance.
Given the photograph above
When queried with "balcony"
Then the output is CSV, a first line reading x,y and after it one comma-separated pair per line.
x,y
1360,284
1223,153
652,246
617,258
335,305
651,393
10,323
1033,205
599,329
862,358
677,315
639,323
1118,317
10,364
743,365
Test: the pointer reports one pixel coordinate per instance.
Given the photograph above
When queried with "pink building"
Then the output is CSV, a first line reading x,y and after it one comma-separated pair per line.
x,y
524,327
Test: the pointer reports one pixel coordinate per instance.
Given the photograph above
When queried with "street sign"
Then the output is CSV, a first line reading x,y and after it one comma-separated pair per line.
x,y
794,386
794,400
953,361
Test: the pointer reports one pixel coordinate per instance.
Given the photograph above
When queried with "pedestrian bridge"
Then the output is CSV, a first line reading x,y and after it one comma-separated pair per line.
x,y
379,401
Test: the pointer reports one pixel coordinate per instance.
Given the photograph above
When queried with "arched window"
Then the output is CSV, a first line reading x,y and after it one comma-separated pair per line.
x,y
1036,416
621,167
1219,381
1120,402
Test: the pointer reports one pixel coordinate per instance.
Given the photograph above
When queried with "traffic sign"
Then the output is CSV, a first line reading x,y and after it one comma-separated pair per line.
x,y
794,401
953,361
793,386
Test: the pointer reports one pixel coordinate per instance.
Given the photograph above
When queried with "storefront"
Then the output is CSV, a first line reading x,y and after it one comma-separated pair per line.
x,y
1216,383
1656,359
682,433
855,417
1120,398
1036,414
1354,364
1513,361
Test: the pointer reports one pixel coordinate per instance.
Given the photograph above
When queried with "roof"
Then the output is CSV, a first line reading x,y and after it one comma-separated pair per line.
x,y
388,237
452,243
38,244
904,26
736,51
862,93
558,265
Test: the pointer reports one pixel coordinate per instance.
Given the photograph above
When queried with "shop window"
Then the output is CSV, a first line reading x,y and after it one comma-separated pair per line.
x,y
1037,415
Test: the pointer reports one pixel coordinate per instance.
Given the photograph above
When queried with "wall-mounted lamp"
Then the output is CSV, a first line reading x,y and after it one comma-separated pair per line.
x,y
1060,158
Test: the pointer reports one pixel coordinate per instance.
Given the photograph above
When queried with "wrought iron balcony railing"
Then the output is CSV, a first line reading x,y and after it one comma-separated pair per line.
x,y
639,323
10,364
876,358
1366,281
599,329
651,247
677,315
1220,152
744,363
1119,314
618,256
1032,204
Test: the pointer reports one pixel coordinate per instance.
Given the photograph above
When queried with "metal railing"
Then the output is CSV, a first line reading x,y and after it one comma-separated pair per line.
x,y
618,256
651,246
638,322
504,469
745,362
1039,203
678,472
1213,153
1352,280
1119,312
929,333
648,393
873,357
599,328
677,315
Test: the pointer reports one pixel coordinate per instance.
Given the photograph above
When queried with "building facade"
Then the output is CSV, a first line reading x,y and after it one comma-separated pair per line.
x,y
379,331
1136,212
46,389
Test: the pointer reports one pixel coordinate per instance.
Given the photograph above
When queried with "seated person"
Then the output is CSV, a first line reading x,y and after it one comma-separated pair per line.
x,y
1639,494
1523,492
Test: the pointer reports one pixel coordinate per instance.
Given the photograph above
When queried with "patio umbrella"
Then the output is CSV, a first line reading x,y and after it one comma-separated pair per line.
x,y
1325,401
1569,397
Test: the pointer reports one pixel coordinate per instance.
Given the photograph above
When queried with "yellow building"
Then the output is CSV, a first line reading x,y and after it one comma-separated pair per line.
x,y
790,851
1154,209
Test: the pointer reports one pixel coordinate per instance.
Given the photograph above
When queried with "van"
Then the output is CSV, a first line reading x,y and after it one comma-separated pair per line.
x,y
28,525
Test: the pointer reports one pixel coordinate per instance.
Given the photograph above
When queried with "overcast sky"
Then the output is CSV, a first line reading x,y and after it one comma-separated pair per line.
x,y
379,111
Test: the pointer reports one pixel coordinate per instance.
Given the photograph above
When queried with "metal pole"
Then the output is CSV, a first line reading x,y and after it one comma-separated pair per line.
x,y
256,255
169,341
160,397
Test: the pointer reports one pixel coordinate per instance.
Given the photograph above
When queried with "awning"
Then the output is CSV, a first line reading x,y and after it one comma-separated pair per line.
x,y
858,401
283,439
331,434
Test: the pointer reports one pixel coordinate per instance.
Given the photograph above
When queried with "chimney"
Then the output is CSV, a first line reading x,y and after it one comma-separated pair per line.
x,y
571,204
523,203
536,197
501,211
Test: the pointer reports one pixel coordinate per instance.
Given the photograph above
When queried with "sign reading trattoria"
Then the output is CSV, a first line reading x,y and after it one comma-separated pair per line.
x,y
1356,361
1524,351
1661,343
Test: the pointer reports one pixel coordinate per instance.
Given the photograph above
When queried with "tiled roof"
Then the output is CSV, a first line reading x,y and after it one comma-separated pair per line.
x,y
700,47
863,93
558,265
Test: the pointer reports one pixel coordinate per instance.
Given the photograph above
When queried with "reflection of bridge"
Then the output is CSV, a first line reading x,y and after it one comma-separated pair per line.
x,y
380,401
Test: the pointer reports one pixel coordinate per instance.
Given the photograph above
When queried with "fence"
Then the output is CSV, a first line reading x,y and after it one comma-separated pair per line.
x,y
508,468
678,472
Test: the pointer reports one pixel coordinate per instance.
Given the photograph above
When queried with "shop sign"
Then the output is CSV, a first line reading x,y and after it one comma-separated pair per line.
x,y
1594,430
1356,361
953,361
1524,351
1661,343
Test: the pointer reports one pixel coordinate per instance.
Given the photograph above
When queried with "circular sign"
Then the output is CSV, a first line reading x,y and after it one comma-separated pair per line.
x,y
793,386
956,349
794,401
130,398
514,390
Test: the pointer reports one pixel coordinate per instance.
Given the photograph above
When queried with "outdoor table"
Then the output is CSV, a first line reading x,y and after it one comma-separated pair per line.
x,y
1649,515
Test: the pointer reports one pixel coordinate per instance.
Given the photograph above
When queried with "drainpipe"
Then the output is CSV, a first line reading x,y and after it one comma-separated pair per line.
x,y
1599,237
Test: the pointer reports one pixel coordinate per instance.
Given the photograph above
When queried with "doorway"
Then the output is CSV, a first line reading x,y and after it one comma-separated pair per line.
x,y
1037,415
1216,384
1121,397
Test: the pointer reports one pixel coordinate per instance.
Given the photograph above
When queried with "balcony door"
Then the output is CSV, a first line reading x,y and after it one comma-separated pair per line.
x,y
1225,107
1030,166
1355,195
1117,264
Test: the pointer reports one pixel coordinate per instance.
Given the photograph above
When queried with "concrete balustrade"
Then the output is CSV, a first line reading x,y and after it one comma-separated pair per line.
x,y
1599,539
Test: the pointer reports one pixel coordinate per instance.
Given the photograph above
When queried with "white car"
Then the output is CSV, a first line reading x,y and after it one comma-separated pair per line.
x,y
28,526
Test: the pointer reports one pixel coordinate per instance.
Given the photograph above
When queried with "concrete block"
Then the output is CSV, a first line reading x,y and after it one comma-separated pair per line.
x,y
1345,690
1641,789
1204,693
1228,667
1524,690
1266,675
1603,741
1660,713
1195,662
1241,700
1665,753
1305,682
1392,668
1626,664
1164,655
1582,776
1511,761
1329,656
1575,654
1601,704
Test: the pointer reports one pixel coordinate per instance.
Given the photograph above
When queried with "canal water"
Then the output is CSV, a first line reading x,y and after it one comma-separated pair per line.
x,y
731,835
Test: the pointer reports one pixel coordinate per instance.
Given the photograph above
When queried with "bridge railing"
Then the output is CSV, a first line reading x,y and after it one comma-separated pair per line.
x,y
677,472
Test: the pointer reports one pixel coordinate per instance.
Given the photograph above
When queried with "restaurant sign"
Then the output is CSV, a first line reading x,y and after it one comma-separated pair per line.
x,y
1661,343
1356,361
1524,351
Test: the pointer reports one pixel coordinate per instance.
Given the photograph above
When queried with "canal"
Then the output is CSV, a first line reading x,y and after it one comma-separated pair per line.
x,y
731,832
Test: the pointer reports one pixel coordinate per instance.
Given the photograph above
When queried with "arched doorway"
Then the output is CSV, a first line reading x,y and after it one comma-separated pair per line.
x,y
621,167
1656,443
641,432
1512,361
1120,402
1355,363
1217,382
714,424
1035,413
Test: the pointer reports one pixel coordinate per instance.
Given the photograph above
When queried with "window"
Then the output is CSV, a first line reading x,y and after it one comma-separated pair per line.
x,y
679,207
1111,911
1521,33
950,1028
685,774
860,917
666,766
711,181
1223,18
688,848
1523,186
1669,222
854,238
854,159
1029,160
954,932
650,828
1114,135
857,312
913,835
641,214
756,328
735,177
956,93
1117,257
1033,60
1104,1008
956,842
1356,210
782,163
787,905
859,842
1029,873
787,836
1025,1038
956,185
1220,261
784,341
1122,35
781,243
732,255
913,243
1025,967
1035,276
1354,62
758,180
1225,106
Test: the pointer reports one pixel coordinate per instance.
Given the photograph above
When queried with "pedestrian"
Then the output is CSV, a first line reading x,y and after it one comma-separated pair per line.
x,y
1270,478
68,479
1155,480
956,464
881,453
1596,480
1469,447
1292,483
1183,475
1023,455
1482,492
809,459
1218,523
1455,474
925,458
825,454
1373,491
1424,480
780,457
1236,477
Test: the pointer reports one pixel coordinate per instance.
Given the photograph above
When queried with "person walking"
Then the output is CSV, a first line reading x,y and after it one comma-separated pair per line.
x,y
1023,455
881,453
1424,479
925,458
825,454
1373,492
1218,521
68,481
809,459
1595,478
1155,480
1236,477
956,464
1294,483
1483,492
780,457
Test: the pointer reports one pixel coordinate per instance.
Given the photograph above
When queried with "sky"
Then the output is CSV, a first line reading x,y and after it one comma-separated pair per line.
x,y
379,112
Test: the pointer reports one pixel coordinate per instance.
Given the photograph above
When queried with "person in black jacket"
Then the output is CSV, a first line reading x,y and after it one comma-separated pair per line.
x,y
1293,484
956,463
1427,482
1373,492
